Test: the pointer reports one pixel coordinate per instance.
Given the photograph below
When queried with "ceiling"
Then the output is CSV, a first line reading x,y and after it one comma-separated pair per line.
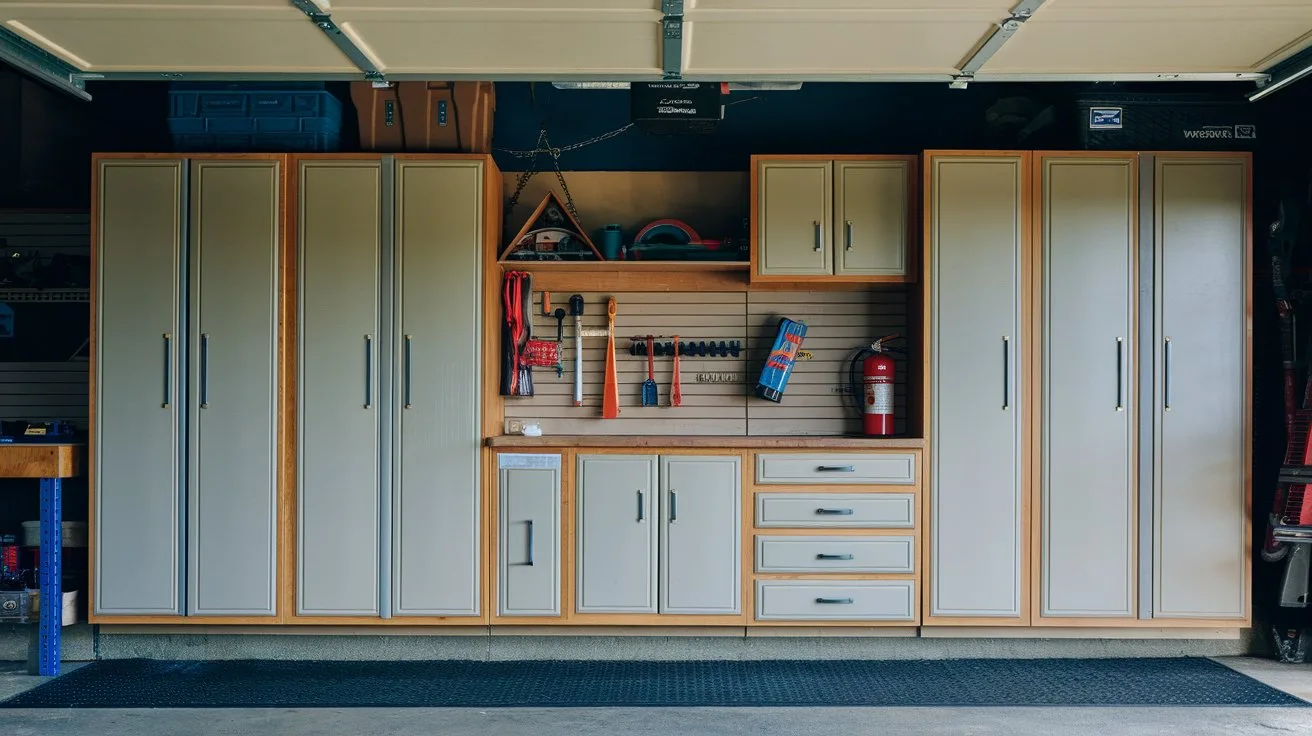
x,y
716,40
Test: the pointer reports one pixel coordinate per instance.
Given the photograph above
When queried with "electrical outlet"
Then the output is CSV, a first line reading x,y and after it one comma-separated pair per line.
x,y
514,426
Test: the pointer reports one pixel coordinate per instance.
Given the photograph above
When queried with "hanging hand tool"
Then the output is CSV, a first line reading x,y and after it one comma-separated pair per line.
x,y
559,314
676,391
610,399
546,304
650,393
576,309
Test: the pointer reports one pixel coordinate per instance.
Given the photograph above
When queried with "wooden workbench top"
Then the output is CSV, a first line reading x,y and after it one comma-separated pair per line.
x,y
696,441
41,461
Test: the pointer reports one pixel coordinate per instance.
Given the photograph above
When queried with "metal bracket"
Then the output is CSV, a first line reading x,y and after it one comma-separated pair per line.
x,y
672,39
42,65
324,22
994,43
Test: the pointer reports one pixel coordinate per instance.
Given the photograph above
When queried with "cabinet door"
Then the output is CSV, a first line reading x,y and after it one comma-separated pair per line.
x,y
1087,487
976,491
338,470
616,534
435,514
794,211
1202,419
136,478
701,533
232,495
528,552
870,217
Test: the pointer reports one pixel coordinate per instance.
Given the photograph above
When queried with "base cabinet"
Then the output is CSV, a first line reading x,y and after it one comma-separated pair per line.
x,y
666,541
528,568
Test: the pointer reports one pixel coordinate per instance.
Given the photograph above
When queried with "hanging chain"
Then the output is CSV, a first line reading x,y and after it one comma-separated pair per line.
x,y
544,146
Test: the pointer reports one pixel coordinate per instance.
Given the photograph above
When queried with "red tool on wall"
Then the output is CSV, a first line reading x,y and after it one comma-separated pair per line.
x,y
610,399
676,391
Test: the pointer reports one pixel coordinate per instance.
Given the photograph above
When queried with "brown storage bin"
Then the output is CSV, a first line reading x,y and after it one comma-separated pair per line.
x,y
426,116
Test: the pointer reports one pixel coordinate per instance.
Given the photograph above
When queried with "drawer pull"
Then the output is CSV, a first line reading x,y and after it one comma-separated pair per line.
x,y
836,469
835,601
823,556
834,512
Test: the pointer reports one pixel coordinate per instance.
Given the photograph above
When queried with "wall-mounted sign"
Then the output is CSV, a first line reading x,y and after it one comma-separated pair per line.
x,y
1106,118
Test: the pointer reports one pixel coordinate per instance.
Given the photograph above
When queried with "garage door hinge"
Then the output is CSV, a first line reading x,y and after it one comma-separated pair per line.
x,y
324,22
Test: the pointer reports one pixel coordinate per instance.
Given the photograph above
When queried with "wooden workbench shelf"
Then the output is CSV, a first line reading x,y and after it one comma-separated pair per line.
x,y
634,275
728,442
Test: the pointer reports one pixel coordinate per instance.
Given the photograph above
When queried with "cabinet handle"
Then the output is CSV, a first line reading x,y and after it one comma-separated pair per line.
x,y
819,235
530,543
848,226
823,556
408,352
833,512
204,371
1166,375
642,507
1006,373
168,370
836,469
674,507
368,371
1120,374
835,601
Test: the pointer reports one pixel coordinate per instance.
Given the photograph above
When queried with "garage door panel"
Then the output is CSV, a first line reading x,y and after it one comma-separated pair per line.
x,y
1164,36
839,43
530,43
999,8
178,40
338,7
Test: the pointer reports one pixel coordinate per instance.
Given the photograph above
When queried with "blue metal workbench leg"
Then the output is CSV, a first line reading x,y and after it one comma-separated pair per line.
x,y
52,594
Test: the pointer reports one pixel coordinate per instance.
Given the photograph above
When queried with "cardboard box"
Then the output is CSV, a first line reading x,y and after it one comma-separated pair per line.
x,y
69,607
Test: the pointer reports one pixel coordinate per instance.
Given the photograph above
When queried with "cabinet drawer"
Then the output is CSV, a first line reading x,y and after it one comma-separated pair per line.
x,y
838,600
806,510
838,554
884,468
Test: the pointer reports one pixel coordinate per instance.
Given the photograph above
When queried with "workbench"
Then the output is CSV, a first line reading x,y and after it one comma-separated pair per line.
x,y
51,464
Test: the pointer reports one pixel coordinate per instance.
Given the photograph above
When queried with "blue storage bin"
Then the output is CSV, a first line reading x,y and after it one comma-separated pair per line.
x,y
265,117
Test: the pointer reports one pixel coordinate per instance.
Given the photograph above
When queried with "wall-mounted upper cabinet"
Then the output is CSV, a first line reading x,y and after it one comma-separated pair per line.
x,y
832,219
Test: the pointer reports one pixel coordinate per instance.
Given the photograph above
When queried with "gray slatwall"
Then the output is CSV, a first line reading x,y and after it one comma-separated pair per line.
x,y
838,323
44,390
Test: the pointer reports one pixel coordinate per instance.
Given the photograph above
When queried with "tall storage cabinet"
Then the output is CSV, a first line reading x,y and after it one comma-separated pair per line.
x,y
1133,420
187,284
390,273
978,234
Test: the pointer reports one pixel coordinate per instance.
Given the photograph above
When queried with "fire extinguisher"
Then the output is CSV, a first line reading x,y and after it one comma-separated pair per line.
x,y
873,392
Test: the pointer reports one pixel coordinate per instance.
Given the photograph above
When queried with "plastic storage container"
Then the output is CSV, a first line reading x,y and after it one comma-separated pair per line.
x,y
298,117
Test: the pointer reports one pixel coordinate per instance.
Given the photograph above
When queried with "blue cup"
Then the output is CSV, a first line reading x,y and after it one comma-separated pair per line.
x,y
611,240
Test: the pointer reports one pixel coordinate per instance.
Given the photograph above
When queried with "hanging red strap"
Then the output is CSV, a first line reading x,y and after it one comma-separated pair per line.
x,y
511,300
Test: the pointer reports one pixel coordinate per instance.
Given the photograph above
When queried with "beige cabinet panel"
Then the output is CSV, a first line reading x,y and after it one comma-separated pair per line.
x,y
870,217
795,205
232,497
1201,495
1088,525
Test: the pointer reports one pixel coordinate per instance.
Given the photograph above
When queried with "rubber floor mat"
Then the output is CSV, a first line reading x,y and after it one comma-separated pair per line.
x,y
980,682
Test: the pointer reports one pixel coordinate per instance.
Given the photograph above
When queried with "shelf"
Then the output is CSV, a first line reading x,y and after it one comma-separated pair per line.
x,y
711,441
634,275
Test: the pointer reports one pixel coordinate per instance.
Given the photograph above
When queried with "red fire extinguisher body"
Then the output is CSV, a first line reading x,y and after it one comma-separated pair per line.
x,y
877,408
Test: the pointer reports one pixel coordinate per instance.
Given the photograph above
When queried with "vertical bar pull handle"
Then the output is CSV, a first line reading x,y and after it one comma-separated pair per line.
x,y
408,361
204,371
368,371
819,235
848,225
642,507
168,370
1120,374
1006,373
1166,375
530,543
674,507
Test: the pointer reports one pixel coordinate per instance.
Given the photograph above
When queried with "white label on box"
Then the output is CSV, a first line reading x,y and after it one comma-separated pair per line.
x,y
531,462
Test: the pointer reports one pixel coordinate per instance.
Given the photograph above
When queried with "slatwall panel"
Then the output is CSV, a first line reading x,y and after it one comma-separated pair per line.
x,y
817,401
44,391
46,233
838,323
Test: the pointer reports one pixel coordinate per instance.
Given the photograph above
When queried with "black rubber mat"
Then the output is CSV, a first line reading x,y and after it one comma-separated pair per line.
x,y
978,682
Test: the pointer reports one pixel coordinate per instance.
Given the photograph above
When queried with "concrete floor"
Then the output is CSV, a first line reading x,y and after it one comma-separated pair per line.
x,y
1295,679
